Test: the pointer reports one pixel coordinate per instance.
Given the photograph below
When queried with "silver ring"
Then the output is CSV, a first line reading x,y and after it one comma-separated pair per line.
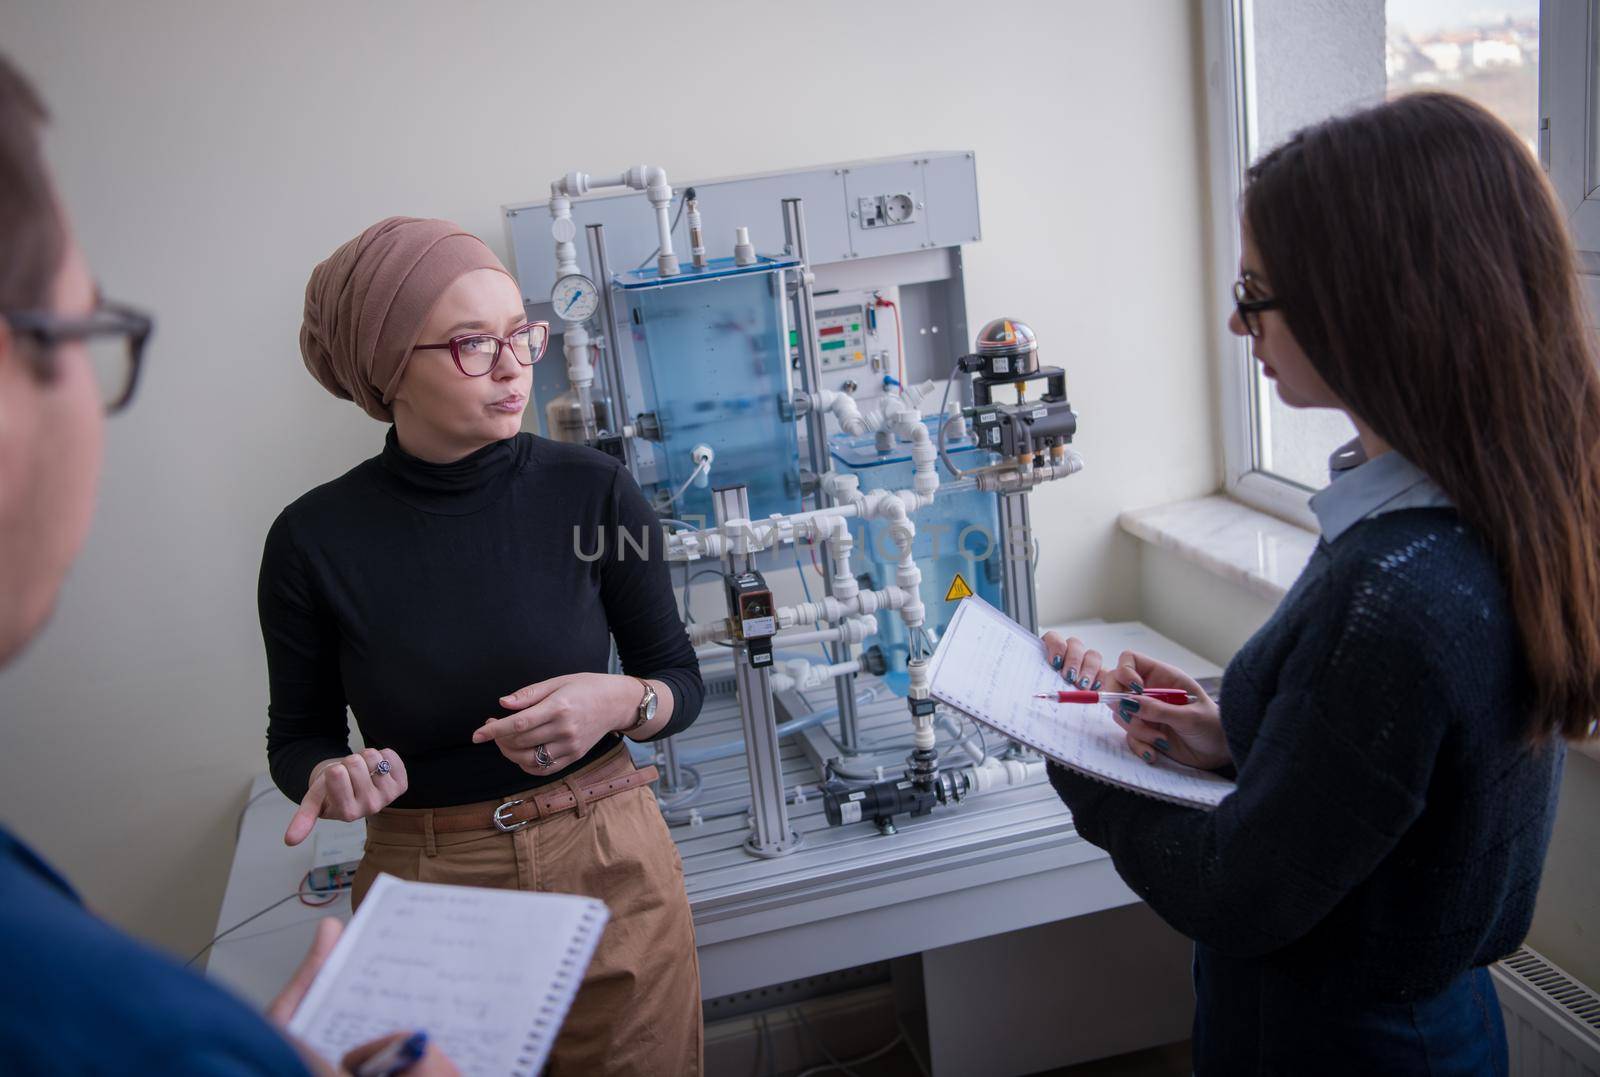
x,y
543,758
382,768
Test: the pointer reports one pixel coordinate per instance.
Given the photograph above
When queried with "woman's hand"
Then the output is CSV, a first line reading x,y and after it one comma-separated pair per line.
x,y
1190,734
562,717
282,1008
433,1063
349,789
1078,665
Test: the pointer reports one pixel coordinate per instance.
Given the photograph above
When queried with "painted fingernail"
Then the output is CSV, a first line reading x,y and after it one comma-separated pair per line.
x,y
1162,745
1083,682
1136,688
1148,758
1130,705
1096,686
1072,675
1058,661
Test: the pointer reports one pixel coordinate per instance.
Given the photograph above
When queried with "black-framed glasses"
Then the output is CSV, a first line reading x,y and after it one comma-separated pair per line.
x,y
1250,306
114,335
477,353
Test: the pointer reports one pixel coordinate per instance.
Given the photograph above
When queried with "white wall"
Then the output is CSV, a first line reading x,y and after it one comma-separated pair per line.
x,y
213,152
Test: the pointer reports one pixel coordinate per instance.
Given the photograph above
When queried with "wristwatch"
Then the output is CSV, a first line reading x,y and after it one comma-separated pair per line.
x,y
647,708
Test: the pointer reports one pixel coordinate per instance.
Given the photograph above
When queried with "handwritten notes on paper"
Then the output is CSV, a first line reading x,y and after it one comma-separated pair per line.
x,y
488,974
989,667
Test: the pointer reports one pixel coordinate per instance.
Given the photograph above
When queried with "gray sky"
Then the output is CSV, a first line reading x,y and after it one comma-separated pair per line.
x,y
1419,16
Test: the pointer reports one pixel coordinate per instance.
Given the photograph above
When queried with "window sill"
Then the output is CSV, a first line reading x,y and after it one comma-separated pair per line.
x,y
1259,553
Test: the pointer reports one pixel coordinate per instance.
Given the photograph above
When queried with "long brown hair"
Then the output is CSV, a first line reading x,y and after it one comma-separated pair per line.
x,y
30,227
1423,265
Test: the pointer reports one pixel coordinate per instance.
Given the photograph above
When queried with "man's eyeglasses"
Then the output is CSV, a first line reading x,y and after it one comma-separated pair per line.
x,y
1250,306
477,353
114,336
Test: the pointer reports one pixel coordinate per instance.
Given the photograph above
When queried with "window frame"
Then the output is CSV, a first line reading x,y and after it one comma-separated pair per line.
x,y
1229,129
1568,100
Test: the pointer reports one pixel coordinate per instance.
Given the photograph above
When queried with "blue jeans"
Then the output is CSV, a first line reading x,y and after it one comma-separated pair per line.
x,y
1250,1018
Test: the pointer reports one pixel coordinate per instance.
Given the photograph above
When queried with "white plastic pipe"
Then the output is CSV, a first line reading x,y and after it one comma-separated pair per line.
x,y
1000,773
853,630
650,179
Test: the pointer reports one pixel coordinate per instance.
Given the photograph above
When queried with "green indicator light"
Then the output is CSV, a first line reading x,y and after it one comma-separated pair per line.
x,y
794,338
856,328
832,345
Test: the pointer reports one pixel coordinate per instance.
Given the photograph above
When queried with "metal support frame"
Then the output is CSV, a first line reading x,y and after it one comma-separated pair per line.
x,y
616,390
671,770
1016,548
794,235
770,834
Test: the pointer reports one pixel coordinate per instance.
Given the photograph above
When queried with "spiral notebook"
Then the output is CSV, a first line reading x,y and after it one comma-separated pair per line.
x,y
989,667
488,974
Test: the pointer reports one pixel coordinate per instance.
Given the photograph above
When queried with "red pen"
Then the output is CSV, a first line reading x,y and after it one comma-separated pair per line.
x,y
1176,696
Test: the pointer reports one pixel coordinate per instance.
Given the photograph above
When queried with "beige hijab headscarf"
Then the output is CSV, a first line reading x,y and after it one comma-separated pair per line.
x,y
366,304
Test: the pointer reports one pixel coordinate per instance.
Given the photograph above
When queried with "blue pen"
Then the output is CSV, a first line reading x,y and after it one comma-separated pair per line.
x,y
396,1058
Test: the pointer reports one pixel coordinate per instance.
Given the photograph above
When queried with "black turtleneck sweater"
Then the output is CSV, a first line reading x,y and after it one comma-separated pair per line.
x,y
418,594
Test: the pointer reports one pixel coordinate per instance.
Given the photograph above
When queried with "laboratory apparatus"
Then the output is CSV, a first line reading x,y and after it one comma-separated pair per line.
x,y
799,400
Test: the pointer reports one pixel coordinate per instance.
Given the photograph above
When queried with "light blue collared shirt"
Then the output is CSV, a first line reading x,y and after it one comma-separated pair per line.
x,y
1359,489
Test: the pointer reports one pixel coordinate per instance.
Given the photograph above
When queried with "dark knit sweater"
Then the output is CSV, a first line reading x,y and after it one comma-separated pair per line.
x,y
1390,824
418,594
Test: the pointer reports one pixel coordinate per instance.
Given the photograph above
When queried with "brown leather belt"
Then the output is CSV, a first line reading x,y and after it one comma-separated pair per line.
x,y
607,776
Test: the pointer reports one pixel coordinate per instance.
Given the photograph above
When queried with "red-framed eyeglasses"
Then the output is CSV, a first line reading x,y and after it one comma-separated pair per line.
x,y
477,353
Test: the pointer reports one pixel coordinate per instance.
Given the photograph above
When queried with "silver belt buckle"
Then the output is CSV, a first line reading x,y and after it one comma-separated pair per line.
x,y
503,812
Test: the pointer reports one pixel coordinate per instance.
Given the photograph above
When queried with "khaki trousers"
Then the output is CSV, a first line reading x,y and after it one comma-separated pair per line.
x,y
638,1011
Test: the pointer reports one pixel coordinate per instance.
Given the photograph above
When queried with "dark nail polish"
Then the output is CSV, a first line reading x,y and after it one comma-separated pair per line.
x,y
1096,686
1057,662
1130,705
1162,745
1148,758
1083,682
1126,718
1136,688
1072,675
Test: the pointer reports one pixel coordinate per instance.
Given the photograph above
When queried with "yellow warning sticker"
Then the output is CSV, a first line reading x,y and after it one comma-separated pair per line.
x,y
958,589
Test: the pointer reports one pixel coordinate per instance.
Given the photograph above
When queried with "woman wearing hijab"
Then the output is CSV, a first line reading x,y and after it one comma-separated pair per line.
x,y
438,592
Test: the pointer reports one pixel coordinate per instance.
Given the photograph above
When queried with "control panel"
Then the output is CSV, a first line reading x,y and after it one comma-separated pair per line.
x,y
842,337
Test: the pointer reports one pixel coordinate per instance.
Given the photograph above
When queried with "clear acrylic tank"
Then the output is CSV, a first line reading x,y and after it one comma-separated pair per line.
x,y
958,534
714,352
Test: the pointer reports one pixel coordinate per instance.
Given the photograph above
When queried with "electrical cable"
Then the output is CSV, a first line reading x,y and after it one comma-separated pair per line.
x,y
688,583
816,1039
944,456
834,1063
678,814
799,568
755,1066
300,892
899,337
899,1038
772,1054
699,469
238,826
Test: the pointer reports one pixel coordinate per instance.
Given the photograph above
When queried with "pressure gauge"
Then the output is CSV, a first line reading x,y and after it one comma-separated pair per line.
x,y
575,298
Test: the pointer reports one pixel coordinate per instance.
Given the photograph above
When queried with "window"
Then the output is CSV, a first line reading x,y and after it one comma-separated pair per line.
x,y
1569,126
1273,68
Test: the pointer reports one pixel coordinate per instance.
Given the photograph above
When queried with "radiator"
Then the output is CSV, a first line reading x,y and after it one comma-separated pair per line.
x,y
1552,1020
